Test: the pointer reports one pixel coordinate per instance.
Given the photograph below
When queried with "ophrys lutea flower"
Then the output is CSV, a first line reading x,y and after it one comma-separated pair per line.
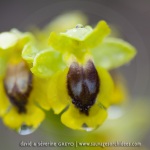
x,y
84,88
18,86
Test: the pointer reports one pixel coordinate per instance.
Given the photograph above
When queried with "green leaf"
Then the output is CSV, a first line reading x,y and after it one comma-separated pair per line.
x,y
46,63
113,53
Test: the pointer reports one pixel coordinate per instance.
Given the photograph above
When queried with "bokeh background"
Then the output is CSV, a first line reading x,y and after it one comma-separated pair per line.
x,y
132,20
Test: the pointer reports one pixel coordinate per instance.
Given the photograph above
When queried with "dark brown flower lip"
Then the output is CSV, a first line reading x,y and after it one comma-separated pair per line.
x,y
83,84
18,85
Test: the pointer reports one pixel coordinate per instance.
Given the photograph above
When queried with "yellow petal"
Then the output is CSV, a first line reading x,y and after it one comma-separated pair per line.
x,y
32,118
58,95
39,92
106,87
4,102
99,33
13,119
72,118
23,38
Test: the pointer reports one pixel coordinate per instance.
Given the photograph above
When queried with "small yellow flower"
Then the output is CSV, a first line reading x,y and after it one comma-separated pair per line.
x,y
79,83
18,86
71,76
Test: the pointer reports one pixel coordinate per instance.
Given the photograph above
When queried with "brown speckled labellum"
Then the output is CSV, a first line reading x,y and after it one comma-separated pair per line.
x,y
18,85
83,85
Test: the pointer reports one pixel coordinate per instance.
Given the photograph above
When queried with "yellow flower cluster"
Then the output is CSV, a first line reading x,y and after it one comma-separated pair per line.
x,y
70,76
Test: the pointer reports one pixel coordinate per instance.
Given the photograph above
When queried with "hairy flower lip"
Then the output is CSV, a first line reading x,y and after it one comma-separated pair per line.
x,y
18,85
83,85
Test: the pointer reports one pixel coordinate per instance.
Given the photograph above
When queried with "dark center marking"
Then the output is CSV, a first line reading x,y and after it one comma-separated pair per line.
x,y
83,85
18,85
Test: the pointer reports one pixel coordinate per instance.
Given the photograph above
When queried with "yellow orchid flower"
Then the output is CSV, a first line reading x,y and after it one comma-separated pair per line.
x,y
79,85
18,86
